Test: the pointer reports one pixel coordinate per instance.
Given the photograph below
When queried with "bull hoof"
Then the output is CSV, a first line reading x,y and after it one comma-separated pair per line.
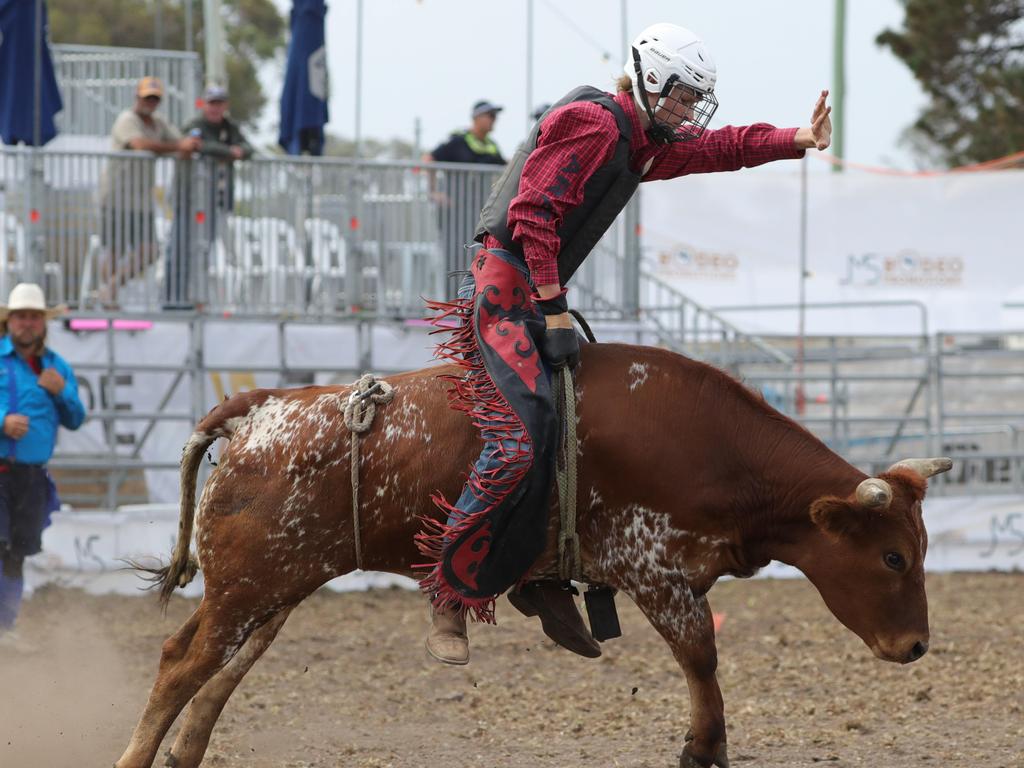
x,y
170,761
686,760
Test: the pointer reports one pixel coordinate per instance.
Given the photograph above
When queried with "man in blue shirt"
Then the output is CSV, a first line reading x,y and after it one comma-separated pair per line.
x,y
38,394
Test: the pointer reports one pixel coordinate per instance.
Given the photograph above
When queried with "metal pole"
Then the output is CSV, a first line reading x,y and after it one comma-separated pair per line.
x,y
359,79
529,64
110,423
839,85
213,38
631,221
189,33
35,249
625,31
802,302
158,25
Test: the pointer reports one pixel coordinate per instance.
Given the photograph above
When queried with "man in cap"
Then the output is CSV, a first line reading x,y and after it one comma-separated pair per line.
x,y
126,194
219,135
38,394
474,145
461,195
221,141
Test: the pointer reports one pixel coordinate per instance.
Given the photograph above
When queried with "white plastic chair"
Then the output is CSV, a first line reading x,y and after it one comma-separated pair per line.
x,y
327,248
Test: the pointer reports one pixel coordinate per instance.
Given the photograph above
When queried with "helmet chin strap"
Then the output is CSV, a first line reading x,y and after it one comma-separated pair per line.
x,y
658,132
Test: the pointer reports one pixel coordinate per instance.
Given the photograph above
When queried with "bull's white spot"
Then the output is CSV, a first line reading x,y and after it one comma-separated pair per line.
x,y
657,564
406,422
638,373
231,425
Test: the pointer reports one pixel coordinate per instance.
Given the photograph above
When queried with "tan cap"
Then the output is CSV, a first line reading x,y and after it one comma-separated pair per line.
x,y
150,86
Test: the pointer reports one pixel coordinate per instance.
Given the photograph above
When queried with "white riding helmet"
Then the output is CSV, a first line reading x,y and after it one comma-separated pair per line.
x,y
664,57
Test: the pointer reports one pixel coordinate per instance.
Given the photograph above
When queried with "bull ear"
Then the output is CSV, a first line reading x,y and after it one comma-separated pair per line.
x,y
837,516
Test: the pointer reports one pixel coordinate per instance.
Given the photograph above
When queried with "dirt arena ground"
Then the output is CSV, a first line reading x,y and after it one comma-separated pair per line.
x,y
348,684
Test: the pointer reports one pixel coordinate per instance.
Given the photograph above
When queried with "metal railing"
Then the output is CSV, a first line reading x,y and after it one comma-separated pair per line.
x,y
877,399
979,386
873,400
97,83
295,235
116,473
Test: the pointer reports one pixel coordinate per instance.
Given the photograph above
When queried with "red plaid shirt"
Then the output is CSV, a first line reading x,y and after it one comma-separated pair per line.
x,y
588,133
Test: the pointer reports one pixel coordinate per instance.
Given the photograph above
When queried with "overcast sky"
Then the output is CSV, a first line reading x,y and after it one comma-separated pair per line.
x,y
431,59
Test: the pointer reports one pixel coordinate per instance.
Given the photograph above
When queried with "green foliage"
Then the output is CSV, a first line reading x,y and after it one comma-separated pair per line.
x,y
968,55
254,33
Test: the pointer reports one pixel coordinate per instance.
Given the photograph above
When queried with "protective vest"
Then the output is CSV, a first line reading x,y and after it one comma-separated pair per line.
x,y
485,147
605,193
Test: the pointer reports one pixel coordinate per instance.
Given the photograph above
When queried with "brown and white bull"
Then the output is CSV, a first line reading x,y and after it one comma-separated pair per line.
x,y
684,476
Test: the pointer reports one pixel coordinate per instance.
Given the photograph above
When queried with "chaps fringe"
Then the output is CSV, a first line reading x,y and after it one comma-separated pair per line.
x,y
475,394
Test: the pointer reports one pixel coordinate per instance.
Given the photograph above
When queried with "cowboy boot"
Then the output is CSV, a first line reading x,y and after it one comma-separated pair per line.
x,y
559,616
447,640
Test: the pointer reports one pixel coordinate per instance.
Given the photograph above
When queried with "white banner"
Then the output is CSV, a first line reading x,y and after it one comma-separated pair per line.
x,y
949,244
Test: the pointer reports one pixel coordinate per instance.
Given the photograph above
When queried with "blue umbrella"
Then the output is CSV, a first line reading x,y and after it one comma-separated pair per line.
x,y
304,97
20,101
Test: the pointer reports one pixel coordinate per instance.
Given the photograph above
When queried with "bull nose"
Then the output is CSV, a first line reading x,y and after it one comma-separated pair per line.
x,y
920,649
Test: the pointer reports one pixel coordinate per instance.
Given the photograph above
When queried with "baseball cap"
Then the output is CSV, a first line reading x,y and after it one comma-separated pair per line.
x,y
483,107
150,86
215,93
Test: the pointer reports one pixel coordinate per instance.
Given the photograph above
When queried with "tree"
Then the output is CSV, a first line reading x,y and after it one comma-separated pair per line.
x,y
968,55
254,33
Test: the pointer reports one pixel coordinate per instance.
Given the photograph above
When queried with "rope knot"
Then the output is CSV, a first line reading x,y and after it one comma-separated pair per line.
x,y
366,395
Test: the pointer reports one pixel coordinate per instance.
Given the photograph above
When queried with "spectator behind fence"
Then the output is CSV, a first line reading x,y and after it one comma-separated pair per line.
x,y
126,194
38,393
222,143
460,196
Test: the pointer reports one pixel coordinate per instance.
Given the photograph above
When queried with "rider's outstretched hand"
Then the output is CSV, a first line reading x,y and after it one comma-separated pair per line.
x,y
818,135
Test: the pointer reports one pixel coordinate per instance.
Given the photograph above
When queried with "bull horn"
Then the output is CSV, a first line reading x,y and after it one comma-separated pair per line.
x,y
874,493
924,467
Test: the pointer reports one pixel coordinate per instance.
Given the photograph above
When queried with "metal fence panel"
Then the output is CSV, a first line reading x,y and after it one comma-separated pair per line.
x,y
298,235
97,83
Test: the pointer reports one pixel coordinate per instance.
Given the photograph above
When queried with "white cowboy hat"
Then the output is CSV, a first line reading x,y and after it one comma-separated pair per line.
x,y
29,296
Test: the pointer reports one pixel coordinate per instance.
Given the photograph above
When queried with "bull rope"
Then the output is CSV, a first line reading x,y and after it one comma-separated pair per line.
x,y
366,395
568,538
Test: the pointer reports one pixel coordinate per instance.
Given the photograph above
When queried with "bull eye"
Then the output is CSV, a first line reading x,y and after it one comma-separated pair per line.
x,y
895,560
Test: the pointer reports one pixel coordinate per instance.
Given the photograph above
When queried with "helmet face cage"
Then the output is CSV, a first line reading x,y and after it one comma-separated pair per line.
x,y
684,110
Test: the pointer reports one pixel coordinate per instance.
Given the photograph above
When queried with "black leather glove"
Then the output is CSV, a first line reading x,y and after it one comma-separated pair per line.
x,y
561,347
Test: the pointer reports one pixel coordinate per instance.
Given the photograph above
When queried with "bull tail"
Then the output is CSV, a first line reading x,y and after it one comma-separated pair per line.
x,y
184,565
